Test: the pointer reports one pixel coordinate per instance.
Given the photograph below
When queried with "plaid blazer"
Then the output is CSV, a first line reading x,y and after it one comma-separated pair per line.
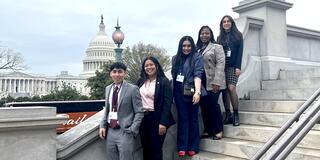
x,y
214,63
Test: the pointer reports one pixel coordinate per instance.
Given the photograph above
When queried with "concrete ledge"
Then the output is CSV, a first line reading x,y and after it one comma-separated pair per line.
x,y
28,123
303,32
29,133
250,5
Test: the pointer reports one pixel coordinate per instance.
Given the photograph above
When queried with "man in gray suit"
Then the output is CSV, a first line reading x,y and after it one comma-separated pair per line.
x,y
123,115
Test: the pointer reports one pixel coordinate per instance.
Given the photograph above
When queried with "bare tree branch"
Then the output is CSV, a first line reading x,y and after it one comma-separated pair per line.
x,y
10,60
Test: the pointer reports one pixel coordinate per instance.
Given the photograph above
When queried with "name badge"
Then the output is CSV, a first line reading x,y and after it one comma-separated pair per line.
x,y
229,53
180,78
113,115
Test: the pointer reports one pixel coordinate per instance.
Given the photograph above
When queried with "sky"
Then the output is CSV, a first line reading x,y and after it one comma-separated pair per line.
x,y
52,35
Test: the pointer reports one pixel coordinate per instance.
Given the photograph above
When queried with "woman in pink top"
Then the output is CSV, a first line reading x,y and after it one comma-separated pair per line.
x,y
156,94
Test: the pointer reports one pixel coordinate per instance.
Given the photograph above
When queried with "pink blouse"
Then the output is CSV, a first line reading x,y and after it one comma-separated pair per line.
x,y
147,91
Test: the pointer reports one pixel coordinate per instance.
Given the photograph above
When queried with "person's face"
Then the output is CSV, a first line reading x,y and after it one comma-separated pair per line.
x,y
117,75
226,23
150,68
186,47
205,35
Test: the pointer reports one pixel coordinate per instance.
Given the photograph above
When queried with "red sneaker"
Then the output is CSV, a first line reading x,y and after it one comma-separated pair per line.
x,y
191,153
181,153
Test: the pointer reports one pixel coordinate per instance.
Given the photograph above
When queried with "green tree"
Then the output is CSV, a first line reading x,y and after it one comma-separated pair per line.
x,y
133,58
99,82
6,100
66,92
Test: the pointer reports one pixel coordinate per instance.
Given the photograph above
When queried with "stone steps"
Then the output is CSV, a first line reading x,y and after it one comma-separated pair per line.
x,y
263,134
290,94
266,119
246,149
266,111
270,106
300,74
207,156
312,83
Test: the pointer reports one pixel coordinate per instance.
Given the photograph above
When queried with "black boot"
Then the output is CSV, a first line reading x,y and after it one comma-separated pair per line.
x,y
236,118
227,118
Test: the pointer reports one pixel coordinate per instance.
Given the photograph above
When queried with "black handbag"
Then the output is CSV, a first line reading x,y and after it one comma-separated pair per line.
x,y
188,89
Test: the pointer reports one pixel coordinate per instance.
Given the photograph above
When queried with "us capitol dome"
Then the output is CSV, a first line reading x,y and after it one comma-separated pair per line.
x,y
100,50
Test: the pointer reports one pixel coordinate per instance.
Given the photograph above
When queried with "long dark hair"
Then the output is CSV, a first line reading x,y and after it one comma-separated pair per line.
x,y
199,42
235,33
179,58
160,72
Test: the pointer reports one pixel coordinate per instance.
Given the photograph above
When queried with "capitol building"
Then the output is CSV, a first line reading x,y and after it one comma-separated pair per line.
x,y
18,84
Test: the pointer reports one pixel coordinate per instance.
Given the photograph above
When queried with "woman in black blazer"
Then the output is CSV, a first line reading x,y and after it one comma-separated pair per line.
x,y
156,94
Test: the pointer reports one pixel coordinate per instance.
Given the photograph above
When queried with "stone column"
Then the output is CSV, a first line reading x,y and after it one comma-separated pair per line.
x,y
1,85
273,39
27,85
10,87
15,85
32,86
5,85
23,85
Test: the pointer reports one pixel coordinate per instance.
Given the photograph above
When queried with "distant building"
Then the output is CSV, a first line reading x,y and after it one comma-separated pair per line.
x,y
19,84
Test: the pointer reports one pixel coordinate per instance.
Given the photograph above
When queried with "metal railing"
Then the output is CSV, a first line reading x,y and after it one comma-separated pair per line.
x,y
304,124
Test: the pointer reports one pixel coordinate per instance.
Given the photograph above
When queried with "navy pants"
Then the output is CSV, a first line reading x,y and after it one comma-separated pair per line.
x,y
188,127
150,139
211,113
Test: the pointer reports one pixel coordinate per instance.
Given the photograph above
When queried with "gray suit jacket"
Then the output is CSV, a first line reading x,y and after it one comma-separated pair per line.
x,y
130,111
214,63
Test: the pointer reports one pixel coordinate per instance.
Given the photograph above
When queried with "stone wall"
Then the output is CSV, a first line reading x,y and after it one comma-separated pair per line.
x,y
28,133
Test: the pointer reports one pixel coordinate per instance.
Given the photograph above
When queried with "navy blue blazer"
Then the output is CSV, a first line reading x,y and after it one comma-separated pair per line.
x,y
190,72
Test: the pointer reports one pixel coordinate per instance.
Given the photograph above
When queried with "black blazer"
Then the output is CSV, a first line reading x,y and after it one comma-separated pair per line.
x,y
162,101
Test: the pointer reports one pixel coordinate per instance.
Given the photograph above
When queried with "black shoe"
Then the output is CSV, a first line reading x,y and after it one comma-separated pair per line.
x,y
216,138
236,118
228,119
205,136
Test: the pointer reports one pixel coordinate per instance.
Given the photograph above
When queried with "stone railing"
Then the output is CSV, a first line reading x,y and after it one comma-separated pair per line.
x,y
29,133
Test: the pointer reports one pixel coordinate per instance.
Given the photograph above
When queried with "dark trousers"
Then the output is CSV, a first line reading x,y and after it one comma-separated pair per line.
x,y
188,127
150,139
211,113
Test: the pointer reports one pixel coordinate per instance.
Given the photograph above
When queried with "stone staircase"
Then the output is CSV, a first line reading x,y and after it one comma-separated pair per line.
x,y
261,116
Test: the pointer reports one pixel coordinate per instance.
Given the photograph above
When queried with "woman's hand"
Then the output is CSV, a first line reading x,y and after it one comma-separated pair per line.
x,y
215,88
238,71
162,129
196,98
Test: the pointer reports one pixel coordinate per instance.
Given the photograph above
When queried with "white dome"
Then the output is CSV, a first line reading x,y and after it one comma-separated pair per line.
x,y
102,40
100,50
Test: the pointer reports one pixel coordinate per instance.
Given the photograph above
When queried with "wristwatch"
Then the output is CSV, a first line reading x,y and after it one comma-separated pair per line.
x,y
199,93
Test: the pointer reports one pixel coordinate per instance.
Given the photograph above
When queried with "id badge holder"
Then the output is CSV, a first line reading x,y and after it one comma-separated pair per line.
x,y
229,53
113,115
180,78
